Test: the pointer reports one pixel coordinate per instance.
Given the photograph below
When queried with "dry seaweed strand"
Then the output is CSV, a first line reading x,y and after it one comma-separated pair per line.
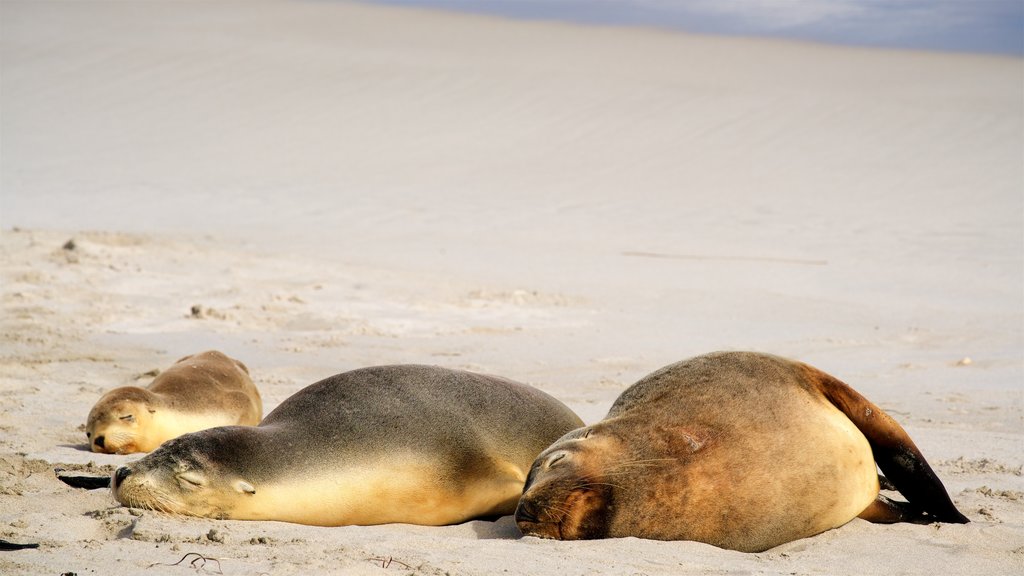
x,y
386,562
198,563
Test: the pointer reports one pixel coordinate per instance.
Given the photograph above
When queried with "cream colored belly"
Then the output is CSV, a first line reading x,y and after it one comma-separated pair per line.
x,y
773,486
857,480
405,490
168,424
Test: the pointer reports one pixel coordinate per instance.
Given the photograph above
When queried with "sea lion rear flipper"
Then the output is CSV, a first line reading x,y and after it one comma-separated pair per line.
x,y
894,451
887,511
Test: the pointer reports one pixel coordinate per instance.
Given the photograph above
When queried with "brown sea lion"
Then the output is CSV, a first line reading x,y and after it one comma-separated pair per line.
x,y
740,450
413,444
198,392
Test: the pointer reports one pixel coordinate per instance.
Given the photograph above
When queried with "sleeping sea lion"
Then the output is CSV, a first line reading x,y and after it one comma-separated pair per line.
x,y
199,391
740,450
413,444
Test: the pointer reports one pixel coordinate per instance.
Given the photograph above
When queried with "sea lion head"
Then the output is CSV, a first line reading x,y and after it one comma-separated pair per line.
x,y
119,421
570,491
197,474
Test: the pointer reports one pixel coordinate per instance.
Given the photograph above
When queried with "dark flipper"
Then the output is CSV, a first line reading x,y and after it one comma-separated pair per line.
x,y
895,453
886,511
87,482
885,483
5,545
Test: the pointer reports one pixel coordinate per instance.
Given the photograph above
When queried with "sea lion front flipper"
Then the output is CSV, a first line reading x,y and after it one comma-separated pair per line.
x,y
78,481
896,454
6,545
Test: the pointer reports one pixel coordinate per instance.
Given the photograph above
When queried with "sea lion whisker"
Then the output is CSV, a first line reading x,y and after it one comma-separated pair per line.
x,y
119,438
157,503
613,473
163,503
643,460
151,504
600,477
558,508
590,484
559,511
561,506
631,465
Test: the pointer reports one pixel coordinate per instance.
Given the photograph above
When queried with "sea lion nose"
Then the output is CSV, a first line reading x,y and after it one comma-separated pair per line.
x,y
525,512
99,441
120,474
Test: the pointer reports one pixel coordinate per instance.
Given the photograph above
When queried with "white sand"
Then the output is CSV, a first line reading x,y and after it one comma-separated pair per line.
x,y
343,185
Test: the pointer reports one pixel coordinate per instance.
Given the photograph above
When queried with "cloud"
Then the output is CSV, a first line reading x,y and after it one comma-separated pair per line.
x,y
766,14
968,25
986,25
783,15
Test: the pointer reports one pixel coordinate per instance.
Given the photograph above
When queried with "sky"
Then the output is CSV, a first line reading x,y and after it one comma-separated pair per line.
x,y
987,26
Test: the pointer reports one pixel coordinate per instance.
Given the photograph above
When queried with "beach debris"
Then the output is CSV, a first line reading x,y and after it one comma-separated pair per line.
x,y
198,563
70,251
965,361
386,562
199,311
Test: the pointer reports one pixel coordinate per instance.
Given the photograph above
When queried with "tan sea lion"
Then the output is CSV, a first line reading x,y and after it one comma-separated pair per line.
x,y
199,391
736,449
412,444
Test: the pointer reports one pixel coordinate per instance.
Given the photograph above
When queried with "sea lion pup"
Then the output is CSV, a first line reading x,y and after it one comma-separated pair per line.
x,y
199,391
411,444
736,449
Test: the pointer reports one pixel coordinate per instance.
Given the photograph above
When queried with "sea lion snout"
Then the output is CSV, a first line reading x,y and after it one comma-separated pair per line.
x,y
525,512
99,441
528,521
119,476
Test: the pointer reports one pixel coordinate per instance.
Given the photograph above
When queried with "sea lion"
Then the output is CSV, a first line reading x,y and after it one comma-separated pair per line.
x,y
740,450
199,391
408,443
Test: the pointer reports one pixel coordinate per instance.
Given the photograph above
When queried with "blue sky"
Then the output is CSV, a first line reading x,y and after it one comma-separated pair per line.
x,y
994,26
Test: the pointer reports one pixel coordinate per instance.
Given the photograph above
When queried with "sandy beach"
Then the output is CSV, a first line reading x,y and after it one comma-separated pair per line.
x,y
315,186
